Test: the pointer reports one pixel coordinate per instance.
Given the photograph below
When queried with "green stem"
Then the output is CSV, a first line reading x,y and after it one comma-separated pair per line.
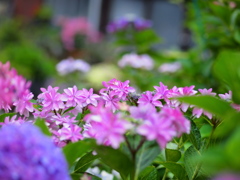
x,y
210,137
165,174
134,153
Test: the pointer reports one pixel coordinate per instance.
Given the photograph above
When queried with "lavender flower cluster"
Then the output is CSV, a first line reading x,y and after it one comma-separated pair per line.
x,y
26,153
121,24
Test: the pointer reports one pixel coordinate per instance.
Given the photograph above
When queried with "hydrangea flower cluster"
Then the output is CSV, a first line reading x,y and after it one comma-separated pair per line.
x,y
12,88
74,26
121,24
26,153
137,61
76,114
70,65
170,67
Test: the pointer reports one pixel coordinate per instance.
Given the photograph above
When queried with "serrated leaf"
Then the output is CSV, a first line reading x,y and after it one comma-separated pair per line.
x,y
195,136
75,150
85,162
172,155
115,159
177,169
149,173
191,165
41,124
3,116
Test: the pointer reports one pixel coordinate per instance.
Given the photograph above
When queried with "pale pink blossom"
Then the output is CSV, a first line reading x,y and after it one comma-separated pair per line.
x,y
170,67
137,61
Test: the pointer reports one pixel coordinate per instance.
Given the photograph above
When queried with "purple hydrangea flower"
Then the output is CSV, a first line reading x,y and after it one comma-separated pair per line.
x,y
141,24
117,25
25,153
227,176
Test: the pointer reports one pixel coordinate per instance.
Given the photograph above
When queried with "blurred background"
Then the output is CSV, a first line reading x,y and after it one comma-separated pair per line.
x,y
84,42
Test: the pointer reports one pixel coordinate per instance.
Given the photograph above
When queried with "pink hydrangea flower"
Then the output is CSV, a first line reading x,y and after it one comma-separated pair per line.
x,y
88,97
180,123
162,90
12,86
111,100
52,100
72,96
107,128
226,96
72,133
13,120
66,121
178,92
197,112
163,126
122,89
149,98
157,128
24,105
142,111
74,26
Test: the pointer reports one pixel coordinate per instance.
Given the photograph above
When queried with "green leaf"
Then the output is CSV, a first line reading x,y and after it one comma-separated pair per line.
x,y
3,116
149,173
222,12
41,124
75,150
85,162
77,176
145,156
191,165
147,36
227,69
115,159
211,104
232,149
195,136
234,18
177,169
237,36
69,109
172,155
